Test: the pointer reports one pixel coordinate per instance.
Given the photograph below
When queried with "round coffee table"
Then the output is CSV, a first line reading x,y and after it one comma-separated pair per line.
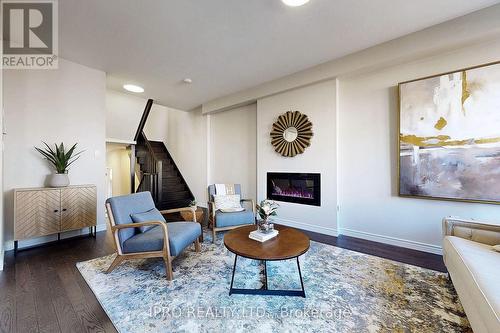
x,y
289,244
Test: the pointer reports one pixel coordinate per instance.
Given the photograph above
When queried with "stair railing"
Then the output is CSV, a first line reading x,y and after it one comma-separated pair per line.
x,y
151,170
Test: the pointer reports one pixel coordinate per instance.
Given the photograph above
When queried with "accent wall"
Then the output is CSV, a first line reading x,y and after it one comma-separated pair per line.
x,y
318,102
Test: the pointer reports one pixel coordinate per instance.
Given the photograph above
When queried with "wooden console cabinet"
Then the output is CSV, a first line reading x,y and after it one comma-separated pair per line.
x,y
47,211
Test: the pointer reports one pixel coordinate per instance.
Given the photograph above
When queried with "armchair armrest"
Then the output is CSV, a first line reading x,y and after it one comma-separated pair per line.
x,y
182,209
472,230
252,202
211,206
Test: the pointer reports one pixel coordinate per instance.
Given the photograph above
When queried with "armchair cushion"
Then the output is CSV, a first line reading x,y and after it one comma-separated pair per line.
x,y
180,235
227,201
233,219
125,205
151,215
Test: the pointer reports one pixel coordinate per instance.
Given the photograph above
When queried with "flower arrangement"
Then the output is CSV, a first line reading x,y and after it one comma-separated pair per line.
x,y
267,208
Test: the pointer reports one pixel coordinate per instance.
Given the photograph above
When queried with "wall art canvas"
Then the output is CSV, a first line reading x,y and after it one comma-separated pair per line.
x,y
449,136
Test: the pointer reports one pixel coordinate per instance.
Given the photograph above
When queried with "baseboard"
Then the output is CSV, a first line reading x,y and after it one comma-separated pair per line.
x,y
9,245
306,226
409,244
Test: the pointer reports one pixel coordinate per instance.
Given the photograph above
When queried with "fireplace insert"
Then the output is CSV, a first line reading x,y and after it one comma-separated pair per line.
x,y
302,188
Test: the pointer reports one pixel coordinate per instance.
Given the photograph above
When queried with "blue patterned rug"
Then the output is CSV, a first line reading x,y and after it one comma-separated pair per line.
x,y
346,292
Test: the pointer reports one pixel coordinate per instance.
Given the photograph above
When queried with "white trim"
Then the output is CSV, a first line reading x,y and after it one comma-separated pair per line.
x,y
306,226
1,259
409,244
113,140
9,245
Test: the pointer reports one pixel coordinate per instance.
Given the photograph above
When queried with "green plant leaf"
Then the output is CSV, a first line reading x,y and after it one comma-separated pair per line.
x,y
58,157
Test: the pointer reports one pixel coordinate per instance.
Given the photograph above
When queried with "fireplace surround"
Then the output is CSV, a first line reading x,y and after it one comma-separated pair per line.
x,y
301,188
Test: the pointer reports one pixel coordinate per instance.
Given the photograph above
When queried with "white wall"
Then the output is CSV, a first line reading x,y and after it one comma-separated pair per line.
x,y
368,142
1,171
184,134
186,142
318,102
123,114
68,105
233,150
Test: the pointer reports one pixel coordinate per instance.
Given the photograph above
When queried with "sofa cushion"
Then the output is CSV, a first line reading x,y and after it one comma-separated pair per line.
x,y
233,219
151,215
125,205
180,235
475,268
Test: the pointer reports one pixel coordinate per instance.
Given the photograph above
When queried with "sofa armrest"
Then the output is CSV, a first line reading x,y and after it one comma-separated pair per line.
x,y
182,209
472,230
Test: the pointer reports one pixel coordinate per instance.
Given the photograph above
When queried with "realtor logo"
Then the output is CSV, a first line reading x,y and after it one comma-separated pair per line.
x,y
29,31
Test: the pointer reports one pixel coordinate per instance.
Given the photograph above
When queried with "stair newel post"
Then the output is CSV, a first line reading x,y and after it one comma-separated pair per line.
x,y
159,177
152,183
132,169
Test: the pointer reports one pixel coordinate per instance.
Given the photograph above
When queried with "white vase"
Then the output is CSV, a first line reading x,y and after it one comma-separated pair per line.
x,y
58,180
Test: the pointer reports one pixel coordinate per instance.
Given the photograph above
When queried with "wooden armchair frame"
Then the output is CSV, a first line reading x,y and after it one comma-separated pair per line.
x,y
211,218
164,253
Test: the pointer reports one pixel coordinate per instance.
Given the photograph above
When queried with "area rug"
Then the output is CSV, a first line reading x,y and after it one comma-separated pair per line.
x,y
346,292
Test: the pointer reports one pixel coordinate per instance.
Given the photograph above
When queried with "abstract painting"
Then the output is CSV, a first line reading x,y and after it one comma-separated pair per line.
x,y
449,136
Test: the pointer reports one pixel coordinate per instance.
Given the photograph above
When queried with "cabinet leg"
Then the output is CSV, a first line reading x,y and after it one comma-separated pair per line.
x,y
16,244
58,236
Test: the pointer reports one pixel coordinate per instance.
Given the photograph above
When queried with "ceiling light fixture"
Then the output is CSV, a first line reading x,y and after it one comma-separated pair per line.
x,y
133,88
295,3
187,80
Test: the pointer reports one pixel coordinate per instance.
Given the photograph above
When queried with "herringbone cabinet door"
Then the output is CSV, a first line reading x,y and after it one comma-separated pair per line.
x,y
37,213
78,207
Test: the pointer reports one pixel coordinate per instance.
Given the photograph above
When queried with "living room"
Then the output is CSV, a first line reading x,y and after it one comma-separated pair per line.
x,y
361,137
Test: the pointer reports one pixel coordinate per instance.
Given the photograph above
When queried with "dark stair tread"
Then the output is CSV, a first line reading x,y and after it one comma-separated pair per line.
x,y
175,191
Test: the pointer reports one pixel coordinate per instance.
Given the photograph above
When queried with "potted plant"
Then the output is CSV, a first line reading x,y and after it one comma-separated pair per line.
x,y
60,159
266,209
188,216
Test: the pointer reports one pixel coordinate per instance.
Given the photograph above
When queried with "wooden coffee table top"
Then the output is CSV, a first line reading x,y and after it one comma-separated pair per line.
x,y
289,243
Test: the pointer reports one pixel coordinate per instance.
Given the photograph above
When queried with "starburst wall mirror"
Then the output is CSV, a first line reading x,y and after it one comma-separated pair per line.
x,y
291,133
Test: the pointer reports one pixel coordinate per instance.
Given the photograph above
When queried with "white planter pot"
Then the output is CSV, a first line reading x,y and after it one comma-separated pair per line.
x,y
58,180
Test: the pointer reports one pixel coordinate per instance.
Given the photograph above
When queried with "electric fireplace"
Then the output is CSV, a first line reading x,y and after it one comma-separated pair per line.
x,y
302,188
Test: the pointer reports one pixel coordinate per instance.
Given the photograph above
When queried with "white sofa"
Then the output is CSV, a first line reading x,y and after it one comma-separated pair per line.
x,y
474,268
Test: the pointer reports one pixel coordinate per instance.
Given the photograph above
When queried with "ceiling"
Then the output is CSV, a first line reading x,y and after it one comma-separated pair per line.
x,y
226,46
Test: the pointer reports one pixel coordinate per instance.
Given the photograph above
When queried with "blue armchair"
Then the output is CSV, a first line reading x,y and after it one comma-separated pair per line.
x,y
220,221
140,231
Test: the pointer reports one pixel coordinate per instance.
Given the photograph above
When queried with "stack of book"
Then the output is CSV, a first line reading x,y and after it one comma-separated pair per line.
x,y
262,236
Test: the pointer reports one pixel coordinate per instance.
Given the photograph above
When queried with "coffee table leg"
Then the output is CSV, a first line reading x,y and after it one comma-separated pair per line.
x,y
265,274
264,290
232,278
301,281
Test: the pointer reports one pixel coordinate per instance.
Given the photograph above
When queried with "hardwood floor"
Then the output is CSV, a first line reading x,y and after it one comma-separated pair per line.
x,y
42,291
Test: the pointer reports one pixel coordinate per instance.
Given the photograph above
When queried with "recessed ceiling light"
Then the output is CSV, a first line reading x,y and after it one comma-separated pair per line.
x,y
133,88
295,3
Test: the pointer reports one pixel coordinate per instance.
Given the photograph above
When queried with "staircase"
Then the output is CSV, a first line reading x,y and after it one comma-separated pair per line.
x,y
158,172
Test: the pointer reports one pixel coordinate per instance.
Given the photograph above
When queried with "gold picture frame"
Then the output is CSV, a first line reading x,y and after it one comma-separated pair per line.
x,y
408,140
